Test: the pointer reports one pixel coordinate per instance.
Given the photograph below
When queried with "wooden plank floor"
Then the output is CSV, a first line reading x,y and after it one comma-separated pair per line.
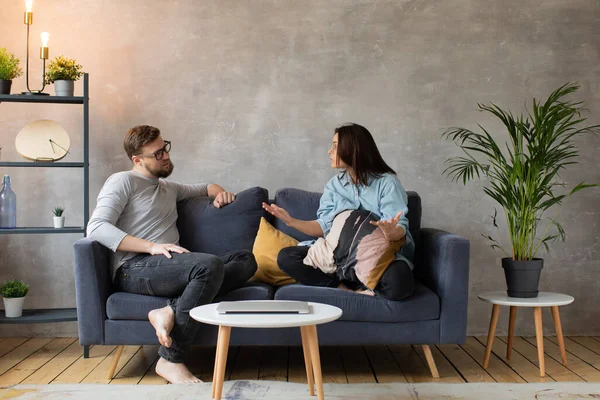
x,y
59,360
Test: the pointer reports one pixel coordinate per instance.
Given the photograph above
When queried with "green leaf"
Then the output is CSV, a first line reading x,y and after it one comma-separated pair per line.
x,y
582,186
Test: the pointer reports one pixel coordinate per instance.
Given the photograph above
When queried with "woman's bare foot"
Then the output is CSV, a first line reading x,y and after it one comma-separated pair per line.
x,y
366,292
175,373
344,287
162,319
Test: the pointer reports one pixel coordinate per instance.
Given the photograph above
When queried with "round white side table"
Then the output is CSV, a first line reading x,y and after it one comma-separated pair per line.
x,y
544,299
319,314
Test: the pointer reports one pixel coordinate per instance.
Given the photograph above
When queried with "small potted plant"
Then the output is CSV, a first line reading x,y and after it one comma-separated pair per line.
x,y
63,72
59,218
9,70
13,293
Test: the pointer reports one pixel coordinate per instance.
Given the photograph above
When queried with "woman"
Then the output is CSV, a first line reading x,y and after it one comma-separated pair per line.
x,y
366,183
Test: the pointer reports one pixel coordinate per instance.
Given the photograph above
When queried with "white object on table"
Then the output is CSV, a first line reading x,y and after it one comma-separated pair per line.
x,y
319,314
544,299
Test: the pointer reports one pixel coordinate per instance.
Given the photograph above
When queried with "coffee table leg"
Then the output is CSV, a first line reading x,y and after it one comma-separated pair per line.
x,y
316,359
539,338
307,359
491,333
221,358
559,334
214,381
511,331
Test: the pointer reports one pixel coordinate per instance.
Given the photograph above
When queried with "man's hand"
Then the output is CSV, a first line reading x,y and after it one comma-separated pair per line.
x,y
390,228
166,249
223,198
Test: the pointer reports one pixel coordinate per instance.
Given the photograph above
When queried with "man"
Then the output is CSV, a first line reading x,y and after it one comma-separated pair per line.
x,y
136,218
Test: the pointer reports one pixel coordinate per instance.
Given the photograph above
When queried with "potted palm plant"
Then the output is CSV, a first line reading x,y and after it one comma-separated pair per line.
x,y
13,293
523,176
9,70
63,72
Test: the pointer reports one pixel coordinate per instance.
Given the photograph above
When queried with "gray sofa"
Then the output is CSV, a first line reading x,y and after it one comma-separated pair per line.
x,y
435,314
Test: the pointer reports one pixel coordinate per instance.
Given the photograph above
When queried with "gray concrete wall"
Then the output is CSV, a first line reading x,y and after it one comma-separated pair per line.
x,y
250,91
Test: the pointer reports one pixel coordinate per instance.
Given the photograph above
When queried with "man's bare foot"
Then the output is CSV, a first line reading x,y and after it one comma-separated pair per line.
x,y
162,319
175,373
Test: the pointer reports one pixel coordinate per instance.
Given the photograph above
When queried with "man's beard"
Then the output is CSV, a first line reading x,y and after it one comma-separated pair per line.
x,y
163,171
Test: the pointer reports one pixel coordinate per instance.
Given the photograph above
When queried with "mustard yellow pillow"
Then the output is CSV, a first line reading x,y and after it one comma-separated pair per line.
x,y
269,242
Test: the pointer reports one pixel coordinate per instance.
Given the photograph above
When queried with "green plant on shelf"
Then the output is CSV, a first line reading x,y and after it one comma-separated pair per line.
x,y
13,289
63,69
58,211
9,66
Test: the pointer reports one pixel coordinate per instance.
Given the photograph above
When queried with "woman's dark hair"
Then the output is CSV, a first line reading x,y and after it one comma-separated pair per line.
x,y
357,149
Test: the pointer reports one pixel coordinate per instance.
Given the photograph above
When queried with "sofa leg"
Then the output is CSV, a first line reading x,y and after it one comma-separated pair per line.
x,y
430,361
86,351
115,362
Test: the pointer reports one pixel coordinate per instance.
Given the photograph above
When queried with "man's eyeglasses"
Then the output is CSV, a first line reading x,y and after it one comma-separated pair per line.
x,y
159,154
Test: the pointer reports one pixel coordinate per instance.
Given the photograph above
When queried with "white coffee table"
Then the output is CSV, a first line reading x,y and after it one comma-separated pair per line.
x,y
319,314
544,299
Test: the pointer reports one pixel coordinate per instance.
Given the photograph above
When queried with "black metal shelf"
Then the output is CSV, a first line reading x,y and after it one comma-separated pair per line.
x,y
41,230
42,316
20,98
59,314
37,164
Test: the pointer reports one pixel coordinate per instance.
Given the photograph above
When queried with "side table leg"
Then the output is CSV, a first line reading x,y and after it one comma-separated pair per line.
x,y
307,360
511,331
559,334
491,333
223,347
214,380
316,359
539,338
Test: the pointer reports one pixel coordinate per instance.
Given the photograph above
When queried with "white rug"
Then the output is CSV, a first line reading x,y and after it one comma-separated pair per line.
x,y
243,390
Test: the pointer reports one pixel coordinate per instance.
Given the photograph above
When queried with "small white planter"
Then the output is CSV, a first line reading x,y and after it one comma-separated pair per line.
x,y
59,222
13,307
64,88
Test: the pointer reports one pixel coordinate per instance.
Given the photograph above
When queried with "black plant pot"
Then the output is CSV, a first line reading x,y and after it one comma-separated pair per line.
x,y
5,86
522,277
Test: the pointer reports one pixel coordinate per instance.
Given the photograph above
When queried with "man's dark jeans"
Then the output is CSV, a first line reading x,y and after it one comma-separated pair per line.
x,y
189,280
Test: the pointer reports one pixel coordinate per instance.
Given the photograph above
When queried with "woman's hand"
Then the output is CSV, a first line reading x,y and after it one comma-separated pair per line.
x,y
390,228
279,213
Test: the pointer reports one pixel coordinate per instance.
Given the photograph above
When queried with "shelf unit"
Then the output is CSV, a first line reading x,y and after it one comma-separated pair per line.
x,y
57,314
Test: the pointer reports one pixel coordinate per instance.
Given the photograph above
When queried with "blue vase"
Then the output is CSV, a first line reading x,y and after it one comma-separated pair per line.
x,y
8,205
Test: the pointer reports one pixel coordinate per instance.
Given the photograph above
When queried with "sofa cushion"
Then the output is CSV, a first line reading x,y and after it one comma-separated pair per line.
x,y
356,244
269,242
206,229
302,204
423,305
129,306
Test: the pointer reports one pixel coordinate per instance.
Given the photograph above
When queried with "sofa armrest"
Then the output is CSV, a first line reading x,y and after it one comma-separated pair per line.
x,y
442,264
92,287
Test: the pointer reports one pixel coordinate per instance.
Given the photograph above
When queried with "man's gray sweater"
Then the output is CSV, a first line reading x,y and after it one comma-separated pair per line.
x,y
132,204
